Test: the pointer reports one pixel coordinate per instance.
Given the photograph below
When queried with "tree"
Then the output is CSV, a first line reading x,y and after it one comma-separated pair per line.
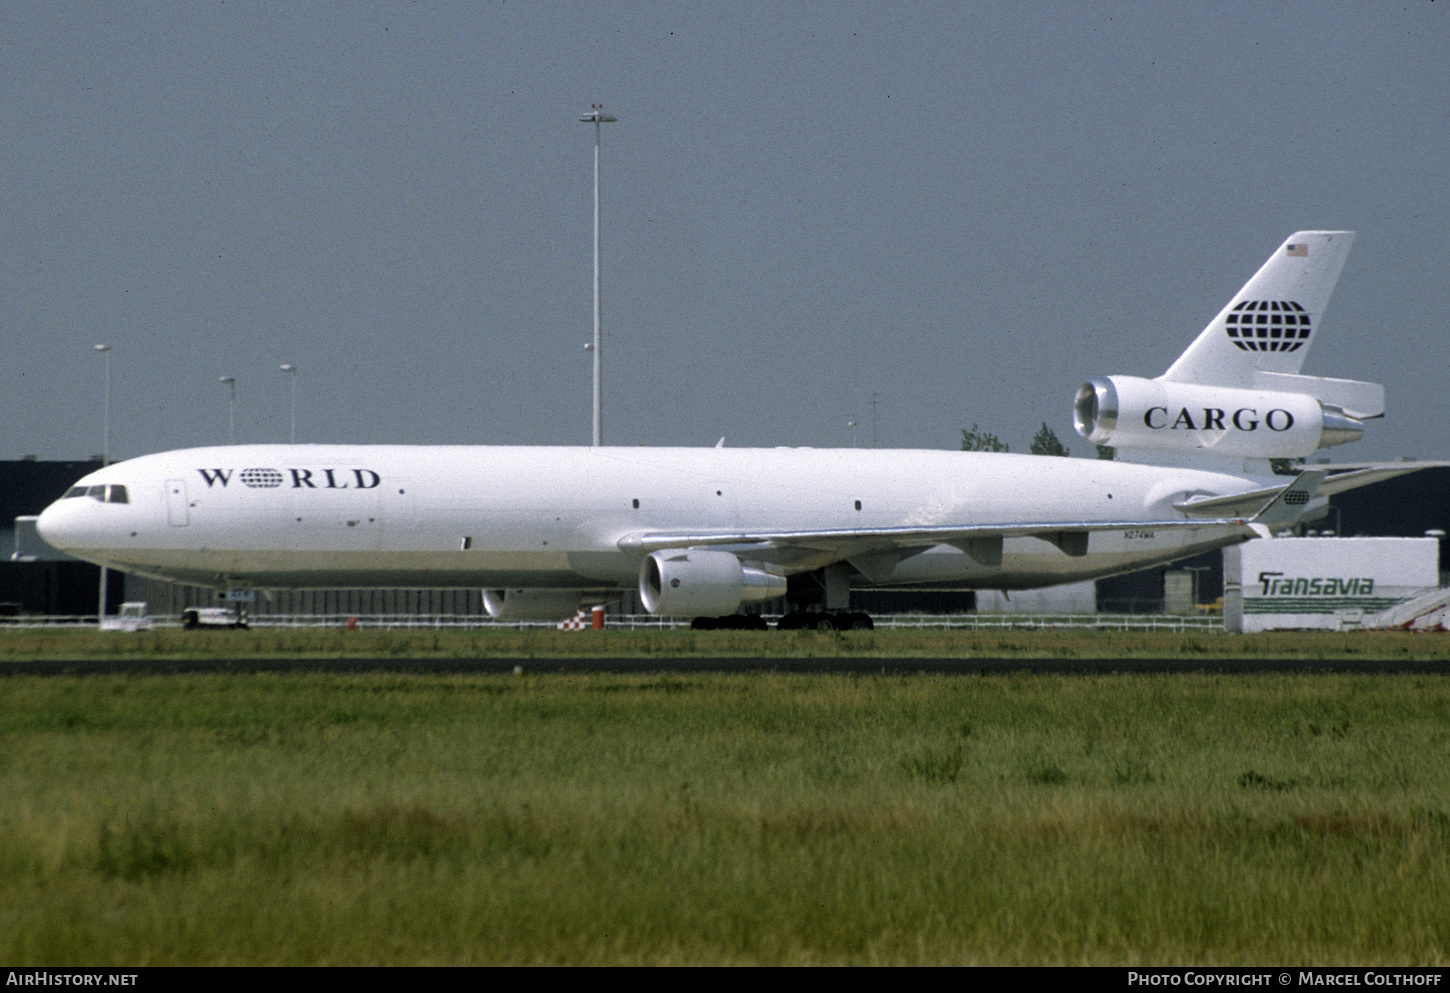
x,y
977,440
1044,442
1106,452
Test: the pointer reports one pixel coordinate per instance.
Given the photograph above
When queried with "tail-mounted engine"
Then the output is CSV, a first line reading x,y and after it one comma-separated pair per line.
x,y
1128,412
696,582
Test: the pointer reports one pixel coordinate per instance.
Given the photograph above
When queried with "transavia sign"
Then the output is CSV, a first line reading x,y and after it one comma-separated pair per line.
x,y
1284,594
1323,583
296,479
1278,584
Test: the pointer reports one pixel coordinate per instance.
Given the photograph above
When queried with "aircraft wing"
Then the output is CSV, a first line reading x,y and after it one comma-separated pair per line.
x,y
1277,507
975,539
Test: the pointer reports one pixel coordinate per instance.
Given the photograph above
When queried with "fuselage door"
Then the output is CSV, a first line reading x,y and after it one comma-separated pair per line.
x,y
178,515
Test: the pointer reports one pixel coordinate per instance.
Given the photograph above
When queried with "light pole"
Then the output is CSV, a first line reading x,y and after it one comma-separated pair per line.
x,y
231,382
597,116
291,370
106,415
852,426
105,461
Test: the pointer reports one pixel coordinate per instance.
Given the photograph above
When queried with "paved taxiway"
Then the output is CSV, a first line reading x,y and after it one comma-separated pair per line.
x,y
682,666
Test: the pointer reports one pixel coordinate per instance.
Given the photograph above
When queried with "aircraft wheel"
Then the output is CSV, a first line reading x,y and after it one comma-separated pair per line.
x,y
825,622
856,622
704,624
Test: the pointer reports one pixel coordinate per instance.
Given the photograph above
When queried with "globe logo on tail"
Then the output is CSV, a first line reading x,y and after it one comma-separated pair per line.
x,y
1268,325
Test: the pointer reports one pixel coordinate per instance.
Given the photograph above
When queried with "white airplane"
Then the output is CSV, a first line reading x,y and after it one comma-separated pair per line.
x,y
699,532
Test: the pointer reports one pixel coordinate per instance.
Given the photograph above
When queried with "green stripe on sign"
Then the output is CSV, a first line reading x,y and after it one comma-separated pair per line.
x,y
1317,605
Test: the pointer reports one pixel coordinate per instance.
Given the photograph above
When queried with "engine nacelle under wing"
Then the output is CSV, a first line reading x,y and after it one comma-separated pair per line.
x,y
532,604
695,582
1129,412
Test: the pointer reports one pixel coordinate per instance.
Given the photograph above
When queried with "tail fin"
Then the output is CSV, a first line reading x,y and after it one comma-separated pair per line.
x,y
1236,397
1269,325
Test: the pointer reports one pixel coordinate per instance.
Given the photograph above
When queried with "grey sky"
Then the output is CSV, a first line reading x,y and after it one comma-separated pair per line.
x,y
967,208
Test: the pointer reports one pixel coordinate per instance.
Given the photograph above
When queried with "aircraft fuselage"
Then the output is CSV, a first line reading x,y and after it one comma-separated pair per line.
x,y
298,516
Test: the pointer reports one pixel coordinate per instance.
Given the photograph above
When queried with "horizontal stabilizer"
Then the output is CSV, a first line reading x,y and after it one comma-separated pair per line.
x,y
1351,476
1357,399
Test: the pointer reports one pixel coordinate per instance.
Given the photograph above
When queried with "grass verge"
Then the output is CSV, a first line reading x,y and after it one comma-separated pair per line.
x,y
83,644
724,819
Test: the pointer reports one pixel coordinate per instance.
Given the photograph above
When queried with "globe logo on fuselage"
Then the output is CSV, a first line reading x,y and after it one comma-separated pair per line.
x,y
260,479
1268,325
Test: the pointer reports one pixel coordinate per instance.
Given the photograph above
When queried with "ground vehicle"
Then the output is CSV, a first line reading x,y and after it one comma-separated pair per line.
x,y
131,617
213,617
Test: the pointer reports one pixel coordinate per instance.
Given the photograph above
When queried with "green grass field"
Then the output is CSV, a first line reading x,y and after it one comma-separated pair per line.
x,y
724,819
321,643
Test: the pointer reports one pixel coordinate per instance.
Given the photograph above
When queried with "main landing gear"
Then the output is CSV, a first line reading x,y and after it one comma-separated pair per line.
x,y
818,602
819,620
730,622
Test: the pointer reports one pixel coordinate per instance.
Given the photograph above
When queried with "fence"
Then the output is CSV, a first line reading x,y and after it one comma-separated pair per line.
x,y
634,622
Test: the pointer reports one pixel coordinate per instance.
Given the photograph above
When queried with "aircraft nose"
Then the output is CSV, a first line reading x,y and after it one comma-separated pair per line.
x,y
61,525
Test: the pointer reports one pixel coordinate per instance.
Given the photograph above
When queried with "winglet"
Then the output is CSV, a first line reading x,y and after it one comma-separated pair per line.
x,y
1288,507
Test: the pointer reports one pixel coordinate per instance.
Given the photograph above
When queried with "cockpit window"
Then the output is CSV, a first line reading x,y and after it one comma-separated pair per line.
x,y
114,493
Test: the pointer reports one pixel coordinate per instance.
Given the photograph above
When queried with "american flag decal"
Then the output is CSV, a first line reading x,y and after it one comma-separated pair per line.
x,y
1297,251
